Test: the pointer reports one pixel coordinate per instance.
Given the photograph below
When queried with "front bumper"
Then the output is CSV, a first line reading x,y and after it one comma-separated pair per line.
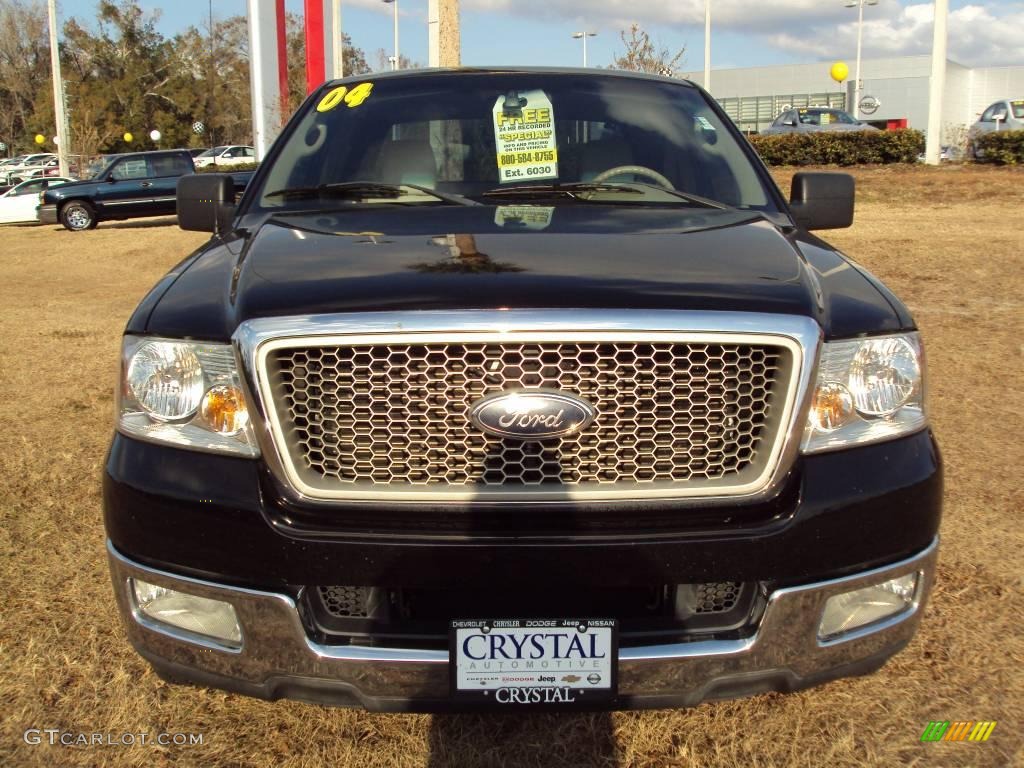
x,y
277,658
47,214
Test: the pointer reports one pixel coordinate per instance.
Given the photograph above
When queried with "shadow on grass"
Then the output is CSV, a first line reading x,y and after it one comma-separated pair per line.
x,y
541,740
162,221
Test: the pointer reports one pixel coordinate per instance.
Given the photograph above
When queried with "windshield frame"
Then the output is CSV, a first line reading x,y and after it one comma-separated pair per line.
x,y
249,204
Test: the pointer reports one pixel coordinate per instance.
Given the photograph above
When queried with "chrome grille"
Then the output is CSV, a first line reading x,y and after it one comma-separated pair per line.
x,y
388,416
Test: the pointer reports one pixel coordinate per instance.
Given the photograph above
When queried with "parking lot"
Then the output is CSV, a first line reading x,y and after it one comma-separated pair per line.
x,y
948,241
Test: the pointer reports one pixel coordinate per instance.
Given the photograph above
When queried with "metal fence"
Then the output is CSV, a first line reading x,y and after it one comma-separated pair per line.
x,y
752,113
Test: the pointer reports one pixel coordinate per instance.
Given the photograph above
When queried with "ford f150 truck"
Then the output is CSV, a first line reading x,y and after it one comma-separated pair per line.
x,y
127,186
521,388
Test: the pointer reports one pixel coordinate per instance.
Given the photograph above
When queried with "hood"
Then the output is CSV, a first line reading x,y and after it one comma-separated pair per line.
x,y
486,257
56,193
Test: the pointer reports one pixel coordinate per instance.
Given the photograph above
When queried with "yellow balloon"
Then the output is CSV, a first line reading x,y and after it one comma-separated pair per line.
x,y
40,139
128,138
839,71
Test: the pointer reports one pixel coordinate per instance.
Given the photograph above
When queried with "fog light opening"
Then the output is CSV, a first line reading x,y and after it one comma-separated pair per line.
x,y
201,616
866,606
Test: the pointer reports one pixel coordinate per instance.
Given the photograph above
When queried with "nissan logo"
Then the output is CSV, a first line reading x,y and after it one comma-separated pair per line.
x,y
531,414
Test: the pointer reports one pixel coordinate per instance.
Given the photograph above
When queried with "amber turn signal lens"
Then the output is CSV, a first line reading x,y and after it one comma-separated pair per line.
x,y
832,406
223,408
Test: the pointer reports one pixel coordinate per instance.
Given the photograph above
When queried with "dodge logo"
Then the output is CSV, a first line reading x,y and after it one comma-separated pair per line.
x,y
531,414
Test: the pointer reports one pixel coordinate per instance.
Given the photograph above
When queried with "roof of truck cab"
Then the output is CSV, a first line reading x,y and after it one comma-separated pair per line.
x,y
456,71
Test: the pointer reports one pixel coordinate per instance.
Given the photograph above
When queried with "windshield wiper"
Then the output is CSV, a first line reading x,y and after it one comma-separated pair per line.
x,y
356,190
570,190
547,190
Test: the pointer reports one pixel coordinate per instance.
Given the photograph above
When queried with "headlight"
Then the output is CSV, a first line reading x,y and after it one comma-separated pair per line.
x,y
183,393
867,390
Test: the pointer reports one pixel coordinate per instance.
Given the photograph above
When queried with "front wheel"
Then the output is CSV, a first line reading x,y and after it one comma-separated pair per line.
x,y
78,216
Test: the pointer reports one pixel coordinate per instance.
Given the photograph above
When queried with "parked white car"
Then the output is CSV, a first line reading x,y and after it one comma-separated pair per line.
x,y
30,163
18,204
226,155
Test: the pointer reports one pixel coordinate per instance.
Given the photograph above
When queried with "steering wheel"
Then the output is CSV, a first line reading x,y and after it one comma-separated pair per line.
x,y
638,170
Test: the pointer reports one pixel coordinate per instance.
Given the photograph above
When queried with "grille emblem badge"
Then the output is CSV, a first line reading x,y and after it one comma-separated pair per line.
x,y
531,414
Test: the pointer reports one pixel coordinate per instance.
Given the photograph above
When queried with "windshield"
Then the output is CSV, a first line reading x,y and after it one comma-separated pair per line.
x,y
620,141
825,117
211,152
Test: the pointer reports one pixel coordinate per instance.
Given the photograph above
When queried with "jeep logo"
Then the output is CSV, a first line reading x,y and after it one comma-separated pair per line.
x,y
531,414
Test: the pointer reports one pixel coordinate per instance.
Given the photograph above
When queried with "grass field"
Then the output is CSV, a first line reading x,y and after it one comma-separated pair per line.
x,y
949,241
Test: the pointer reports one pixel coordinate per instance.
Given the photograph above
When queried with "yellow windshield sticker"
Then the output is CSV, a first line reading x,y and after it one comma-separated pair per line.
x,y
524,136
358,95
353,98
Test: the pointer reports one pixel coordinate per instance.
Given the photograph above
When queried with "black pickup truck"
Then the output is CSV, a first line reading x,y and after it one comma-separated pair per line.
x,y
128,186
519,388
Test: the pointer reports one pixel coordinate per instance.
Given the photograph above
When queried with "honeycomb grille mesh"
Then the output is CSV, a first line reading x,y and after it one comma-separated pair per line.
x,y
343,601
717,597
396,414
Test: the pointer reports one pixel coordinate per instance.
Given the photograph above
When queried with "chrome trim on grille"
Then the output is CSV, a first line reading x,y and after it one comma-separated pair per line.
x,y
801,336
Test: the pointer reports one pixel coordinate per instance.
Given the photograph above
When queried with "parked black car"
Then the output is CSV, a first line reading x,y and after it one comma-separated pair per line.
x,y
512,388
128,186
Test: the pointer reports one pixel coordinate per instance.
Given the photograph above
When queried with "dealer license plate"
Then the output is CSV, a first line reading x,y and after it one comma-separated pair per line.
x,y
534,661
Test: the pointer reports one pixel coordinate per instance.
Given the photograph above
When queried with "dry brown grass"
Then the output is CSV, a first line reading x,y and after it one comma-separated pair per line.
x,y
947,240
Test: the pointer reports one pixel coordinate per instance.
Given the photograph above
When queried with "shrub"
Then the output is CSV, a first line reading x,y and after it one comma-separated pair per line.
x,y
840,147
228,168
1001,147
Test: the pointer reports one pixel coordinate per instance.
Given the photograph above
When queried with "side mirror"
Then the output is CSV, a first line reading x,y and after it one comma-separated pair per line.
x,y
822,200
789,122
206,202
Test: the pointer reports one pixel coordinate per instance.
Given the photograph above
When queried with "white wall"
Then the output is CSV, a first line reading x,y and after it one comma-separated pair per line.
x,y
900,83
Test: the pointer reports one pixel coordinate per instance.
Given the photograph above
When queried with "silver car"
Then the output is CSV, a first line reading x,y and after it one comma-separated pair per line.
x,y
1005,115
815,119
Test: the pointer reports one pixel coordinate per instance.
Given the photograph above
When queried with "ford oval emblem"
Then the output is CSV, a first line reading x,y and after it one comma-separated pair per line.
x,y
532,414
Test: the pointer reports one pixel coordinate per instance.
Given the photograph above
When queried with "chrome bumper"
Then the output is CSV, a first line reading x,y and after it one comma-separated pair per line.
x,y
47,214
278,660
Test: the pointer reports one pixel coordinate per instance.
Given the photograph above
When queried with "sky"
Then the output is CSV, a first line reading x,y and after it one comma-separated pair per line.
x,y
744,32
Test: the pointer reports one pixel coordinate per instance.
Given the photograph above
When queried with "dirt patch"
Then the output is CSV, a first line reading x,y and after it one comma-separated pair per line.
x,y
947,240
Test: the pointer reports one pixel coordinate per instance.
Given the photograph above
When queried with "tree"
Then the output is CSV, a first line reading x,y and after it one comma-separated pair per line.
x,y
643,56
24,74
121,75
384,61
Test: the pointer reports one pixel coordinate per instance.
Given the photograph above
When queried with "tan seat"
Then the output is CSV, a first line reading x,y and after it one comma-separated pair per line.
x,y
403,162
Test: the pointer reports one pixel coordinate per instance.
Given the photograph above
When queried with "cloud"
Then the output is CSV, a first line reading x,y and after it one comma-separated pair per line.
x,y
985,33
976,35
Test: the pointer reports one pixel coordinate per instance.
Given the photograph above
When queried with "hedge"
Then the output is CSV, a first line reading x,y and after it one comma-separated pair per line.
x,y
840,147
1001,147
228,168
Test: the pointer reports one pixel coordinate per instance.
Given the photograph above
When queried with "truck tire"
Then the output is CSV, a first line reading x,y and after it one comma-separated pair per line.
x,y
78,216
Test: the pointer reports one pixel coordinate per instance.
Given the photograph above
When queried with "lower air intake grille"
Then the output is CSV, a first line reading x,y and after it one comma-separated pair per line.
x,y
717,597
345,602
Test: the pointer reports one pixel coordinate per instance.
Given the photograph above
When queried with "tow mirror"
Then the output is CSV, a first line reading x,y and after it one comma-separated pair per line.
x,y
206,202
822,200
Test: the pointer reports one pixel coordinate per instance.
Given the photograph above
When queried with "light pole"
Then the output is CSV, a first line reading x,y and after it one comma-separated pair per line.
x,y
707,45
63,145
859,5
583,36
395,61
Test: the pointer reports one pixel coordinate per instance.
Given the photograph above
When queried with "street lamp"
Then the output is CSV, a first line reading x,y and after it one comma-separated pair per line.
x,y
395,60
707,45
583,36
859,5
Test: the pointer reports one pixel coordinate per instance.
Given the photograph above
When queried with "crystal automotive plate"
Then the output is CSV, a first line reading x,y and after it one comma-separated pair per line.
x,y
534,661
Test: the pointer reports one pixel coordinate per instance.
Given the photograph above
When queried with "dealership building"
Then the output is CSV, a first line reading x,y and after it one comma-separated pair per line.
x,y
754,96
